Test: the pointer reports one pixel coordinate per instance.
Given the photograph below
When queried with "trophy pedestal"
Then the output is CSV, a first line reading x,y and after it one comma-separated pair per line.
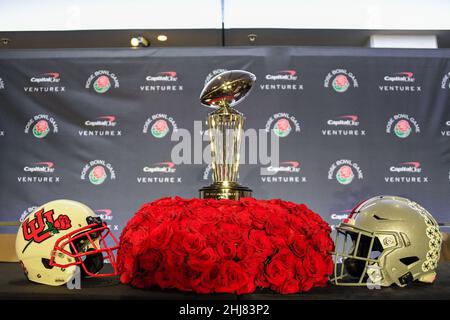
x,y
225,190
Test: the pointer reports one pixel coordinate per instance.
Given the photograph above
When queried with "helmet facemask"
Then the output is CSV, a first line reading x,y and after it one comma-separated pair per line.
x,y
87,247
356,258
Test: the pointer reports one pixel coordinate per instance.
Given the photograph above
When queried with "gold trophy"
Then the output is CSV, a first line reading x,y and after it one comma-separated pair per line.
x,y
226,126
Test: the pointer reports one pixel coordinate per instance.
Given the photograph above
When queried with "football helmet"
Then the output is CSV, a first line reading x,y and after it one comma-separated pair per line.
x,y
60,236
386,240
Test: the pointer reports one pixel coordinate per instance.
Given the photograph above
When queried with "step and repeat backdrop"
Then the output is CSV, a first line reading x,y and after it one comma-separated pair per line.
x,y
97,126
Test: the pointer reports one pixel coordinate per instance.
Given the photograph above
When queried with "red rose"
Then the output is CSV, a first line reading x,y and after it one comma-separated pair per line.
x,y
276,272
192,243
150,260
208,215
290,286
62,222
203,261
275,226
231,232
280,268
316,266
163,279
260,243
323,243
160,236
226,249
299,245
259,217
231,278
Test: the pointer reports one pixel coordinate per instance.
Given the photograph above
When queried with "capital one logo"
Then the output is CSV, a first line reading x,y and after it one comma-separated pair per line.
x,y
161,172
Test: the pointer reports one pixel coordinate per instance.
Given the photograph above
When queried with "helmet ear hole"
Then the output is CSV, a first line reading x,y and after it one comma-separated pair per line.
x,y
46,263
409,260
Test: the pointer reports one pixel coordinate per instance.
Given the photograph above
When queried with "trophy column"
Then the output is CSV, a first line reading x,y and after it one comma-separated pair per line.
x,y
225,131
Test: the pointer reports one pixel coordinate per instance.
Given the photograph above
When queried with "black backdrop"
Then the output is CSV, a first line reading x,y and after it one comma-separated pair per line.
x,y
383,115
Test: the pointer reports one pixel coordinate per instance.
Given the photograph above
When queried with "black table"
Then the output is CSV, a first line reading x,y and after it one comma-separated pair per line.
x,y
14,285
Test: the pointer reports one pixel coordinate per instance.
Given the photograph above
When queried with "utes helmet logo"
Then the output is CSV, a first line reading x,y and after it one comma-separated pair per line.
x,y
43,226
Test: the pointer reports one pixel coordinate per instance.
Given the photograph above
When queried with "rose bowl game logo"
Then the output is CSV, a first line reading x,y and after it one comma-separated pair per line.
x,y
97,172
445,82
406,172
345,171
45,82
281,80
26,213
101,81
39,172
162,81
161,172
399,81
158,125
101,126
339,79
402,125
41,125
285,172
282,124
345,125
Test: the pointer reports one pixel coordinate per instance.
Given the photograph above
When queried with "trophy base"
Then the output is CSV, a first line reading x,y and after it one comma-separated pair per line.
x,y
230,191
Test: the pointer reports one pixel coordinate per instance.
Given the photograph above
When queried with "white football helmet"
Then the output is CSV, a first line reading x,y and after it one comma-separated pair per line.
x,y
61,235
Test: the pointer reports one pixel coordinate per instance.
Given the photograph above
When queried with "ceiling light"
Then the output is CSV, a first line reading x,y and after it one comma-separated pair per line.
x,y
139,41
162,37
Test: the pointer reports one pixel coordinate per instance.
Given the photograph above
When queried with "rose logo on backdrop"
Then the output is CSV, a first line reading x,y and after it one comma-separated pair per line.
x,y
45,82
102,84
102,81
282,124
41,129
445,82
161,172
97,175
402,125
341,80
39,172
97,172
345,171
402,129
281,80
158,125
41,125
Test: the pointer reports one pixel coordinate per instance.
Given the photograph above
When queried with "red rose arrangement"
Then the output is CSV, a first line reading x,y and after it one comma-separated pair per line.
x,y
226,246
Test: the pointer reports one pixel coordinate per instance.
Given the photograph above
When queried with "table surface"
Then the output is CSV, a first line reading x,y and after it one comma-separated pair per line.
x,y
14,285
